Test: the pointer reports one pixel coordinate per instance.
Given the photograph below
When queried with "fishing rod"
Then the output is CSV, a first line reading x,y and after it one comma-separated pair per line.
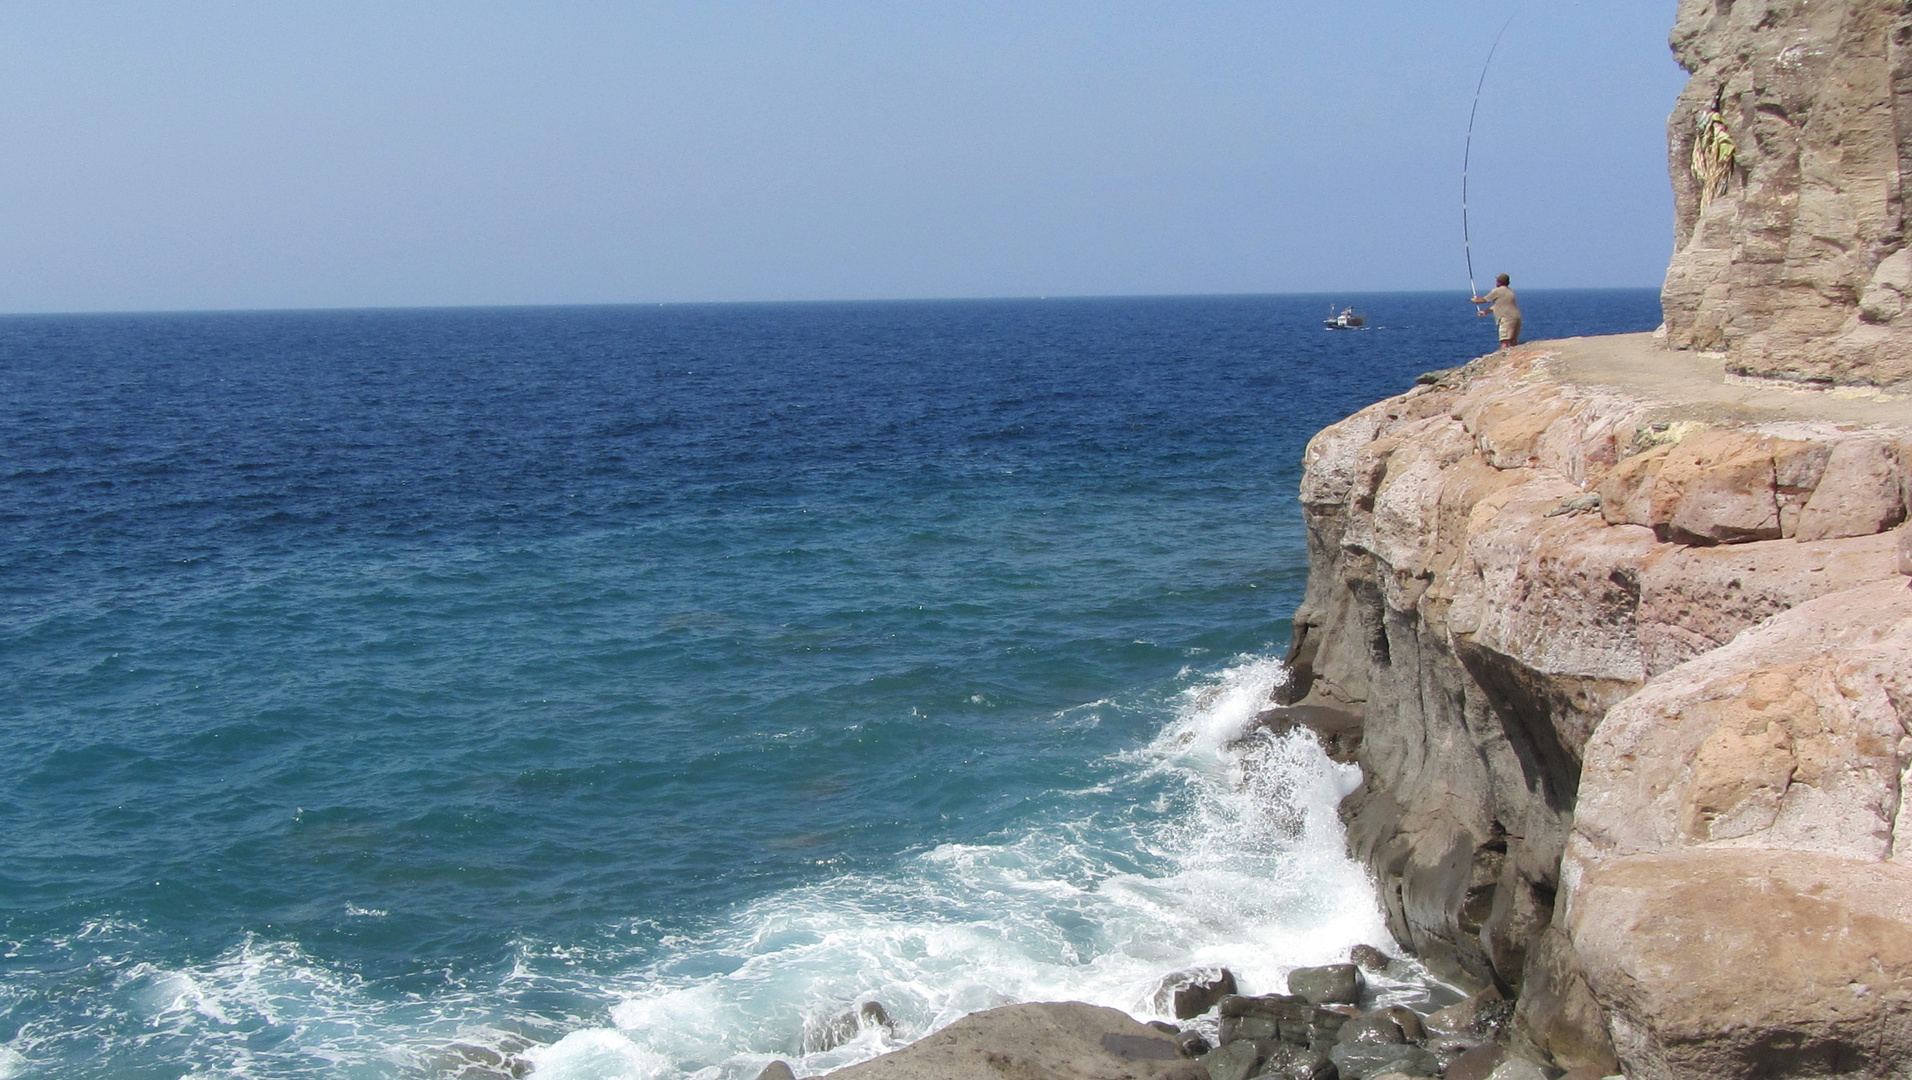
x,y
1467,153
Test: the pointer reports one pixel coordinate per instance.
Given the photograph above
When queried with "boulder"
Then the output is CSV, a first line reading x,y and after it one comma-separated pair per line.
x,y
1329,984
846,1026
1480,1017
1375,1027
1359,1061
1188,994
1232,1061
1297,1063
1407,1019
1716,487
1272,1006
1193,1044
1060,1040
777,1070
1369,958
1734,892
1517,1069
1859,494
1476,1064
1234,1028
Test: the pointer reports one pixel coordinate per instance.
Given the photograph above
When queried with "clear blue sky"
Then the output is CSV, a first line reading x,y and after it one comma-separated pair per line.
x,y
191,155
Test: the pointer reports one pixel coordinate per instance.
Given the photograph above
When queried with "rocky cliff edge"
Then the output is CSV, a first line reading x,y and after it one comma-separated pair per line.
x,y
1625,653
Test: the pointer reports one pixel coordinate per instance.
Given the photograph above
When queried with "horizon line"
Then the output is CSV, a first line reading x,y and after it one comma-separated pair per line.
x,y
344,308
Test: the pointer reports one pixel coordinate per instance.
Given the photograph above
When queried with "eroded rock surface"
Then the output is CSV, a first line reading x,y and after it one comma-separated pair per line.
x,y
1794,262
1739,890
1502,561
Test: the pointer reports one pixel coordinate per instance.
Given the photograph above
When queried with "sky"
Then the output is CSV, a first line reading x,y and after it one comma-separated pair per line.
x,y
204,155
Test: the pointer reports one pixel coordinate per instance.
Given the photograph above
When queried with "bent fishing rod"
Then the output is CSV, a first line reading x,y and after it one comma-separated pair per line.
x,y
1467,153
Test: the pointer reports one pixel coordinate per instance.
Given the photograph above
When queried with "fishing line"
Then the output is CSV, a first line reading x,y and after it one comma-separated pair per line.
x,y
1467,239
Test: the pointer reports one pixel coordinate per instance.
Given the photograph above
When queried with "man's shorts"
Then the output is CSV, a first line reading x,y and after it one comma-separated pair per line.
x,y
1509,327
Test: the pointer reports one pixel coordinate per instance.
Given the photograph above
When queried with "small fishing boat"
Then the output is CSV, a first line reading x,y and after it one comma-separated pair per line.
x,y
1348,319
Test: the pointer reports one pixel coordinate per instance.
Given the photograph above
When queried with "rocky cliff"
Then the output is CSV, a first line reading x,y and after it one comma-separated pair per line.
x,y
1625,664
1789,147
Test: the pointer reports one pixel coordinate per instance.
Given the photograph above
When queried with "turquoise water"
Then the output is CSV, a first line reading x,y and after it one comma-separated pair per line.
x,y
628,692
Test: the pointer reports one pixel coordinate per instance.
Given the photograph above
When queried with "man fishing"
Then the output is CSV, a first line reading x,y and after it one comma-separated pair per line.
x,y
1506,310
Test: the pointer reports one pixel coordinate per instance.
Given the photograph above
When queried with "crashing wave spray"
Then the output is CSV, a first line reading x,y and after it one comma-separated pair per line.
x,y
1214,844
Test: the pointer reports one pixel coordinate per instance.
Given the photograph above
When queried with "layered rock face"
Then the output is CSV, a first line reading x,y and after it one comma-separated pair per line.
x,y
1790,231
1670,645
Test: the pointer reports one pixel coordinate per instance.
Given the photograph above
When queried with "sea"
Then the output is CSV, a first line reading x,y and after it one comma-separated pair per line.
x,y
639,692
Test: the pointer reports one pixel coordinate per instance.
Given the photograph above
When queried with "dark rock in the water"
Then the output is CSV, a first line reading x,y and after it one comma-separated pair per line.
x,y
1165,1027
1324,1029
1369,958
777,1070
1297,1063
1193,1043
1329,984
1338,730
1480,1018
1374,1028
1409,1020
1359,1061
1232,1061
1272,1006
1517,1069
1478,1063
848,1025
1049,1039
1192,993
1235,1028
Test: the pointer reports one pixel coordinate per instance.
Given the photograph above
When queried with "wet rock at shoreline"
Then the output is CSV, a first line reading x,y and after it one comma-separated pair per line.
x,y
1188,994
1237,1060
1477,1019
1296,1063
847,1025
1375,1028
1066,1040
1330,984
1359,1061
1193,1043
1478,1063
777,1070
1369,958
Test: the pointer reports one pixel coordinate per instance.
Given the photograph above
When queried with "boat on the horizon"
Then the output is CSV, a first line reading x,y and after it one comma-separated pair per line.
x,y
1348,319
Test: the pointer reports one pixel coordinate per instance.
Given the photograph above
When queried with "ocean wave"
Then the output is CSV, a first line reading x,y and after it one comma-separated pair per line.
x,y
1215,844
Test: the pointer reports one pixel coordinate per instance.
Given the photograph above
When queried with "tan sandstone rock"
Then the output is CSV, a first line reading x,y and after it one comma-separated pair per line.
x,y
1749,963
1500,562
1716,486
1796,267
1695,599
1735,888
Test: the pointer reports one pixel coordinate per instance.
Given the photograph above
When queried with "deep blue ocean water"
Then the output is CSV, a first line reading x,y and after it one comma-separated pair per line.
x,y
629,691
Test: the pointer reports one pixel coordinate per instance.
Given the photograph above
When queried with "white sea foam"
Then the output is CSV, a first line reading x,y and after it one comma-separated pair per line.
x,y
1215,844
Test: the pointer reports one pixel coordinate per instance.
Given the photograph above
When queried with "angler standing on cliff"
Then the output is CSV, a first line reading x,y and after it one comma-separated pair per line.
x,y
1506,310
